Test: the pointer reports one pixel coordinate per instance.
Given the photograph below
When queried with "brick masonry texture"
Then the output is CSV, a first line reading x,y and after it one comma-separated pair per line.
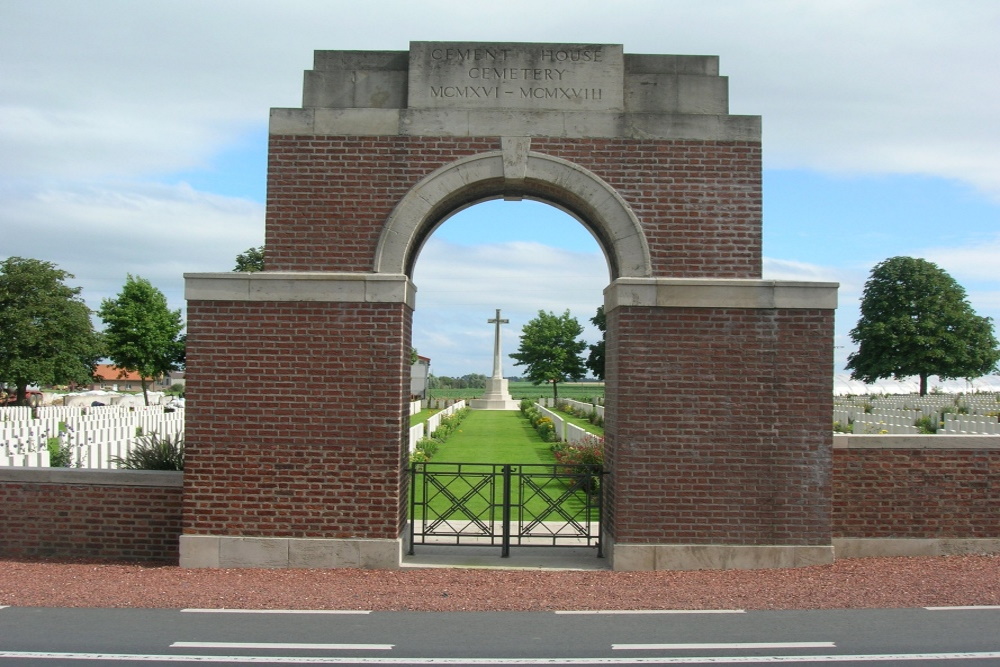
x,y
264,461
305,444
699,202
716,426
84,521
876,494
880,493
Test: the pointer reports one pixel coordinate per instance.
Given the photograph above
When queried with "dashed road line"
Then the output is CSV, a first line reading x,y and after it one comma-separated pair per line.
x,y
285,646
721,646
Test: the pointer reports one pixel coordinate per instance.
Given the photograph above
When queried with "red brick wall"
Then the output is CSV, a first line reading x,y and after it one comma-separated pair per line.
x,y
717,426
916,493
296,419
699,201
84,520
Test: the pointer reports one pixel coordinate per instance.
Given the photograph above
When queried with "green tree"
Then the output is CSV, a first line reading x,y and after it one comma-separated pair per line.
x,y
595,360
915,320
142,334
46,334
251,260
550,349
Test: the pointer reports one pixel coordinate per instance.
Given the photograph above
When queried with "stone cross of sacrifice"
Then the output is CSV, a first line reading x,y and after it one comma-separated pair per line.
x,y
497,372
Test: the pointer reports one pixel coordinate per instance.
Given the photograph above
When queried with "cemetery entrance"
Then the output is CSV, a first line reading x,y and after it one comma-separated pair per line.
x,y
718,382
504,505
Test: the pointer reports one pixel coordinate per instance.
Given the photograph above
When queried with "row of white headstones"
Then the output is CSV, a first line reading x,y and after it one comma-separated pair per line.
x,y
93,435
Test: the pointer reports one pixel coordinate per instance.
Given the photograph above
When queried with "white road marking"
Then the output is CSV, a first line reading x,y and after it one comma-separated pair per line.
x,y
966,608
720,645
285,646
703,660
275,611
654,611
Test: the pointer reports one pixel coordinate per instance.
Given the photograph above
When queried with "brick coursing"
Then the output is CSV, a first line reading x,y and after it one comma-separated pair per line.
x,y
87,521
916,493
308,442
716,426
699,202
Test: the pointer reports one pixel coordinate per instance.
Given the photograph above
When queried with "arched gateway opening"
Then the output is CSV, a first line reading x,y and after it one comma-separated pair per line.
x,y
718,383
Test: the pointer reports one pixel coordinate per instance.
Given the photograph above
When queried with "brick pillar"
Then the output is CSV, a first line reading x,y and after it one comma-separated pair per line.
x,y
296,410
718,434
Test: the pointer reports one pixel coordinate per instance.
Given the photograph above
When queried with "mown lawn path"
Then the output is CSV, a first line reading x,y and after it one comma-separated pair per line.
x,y
495,436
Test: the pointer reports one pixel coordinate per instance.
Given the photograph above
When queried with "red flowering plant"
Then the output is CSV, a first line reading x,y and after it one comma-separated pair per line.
x,y
588,452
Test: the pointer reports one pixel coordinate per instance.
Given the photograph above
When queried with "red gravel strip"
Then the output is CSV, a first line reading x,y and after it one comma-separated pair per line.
x,y
849,583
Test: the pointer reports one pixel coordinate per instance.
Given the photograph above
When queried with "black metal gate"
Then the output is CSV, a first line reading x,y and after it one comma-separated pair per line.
x,y
477,504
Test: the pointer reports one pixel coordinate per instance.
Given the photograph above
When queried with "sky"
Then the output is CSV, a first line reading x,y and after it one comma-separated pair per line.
x,y
133,140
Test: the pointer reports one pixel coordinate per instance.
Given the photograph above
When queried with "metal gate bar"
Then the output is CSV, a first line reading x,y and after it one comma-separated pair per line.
x,y
472,504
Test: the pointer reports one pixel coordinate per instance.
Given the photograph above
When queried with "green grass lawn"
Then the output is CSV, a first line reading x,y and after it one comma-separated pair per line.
x,y
484,439
422,416
495,436
581,422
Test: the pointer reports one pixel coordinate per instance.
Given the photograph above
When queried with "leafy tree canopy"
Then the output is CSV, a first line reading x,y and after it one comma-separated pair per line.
x,y
595,360
46,335
915,320
550,349
251,260
142,334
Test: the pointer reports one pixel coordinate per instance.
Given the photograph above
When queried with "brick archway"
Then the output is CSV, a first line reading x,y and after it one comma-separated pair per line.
x,y
514,172
718,382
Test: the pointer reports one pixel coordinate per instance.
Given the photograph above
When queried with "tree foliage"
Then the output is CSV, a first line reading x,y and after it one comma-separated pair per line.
x,y
251,260
595,360
142,334
46,335
915,320
550,349
467,381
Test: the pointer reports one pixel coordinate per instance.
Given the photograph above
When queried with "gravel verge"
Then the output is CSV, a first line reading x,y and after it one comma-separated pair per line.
x,y
850,583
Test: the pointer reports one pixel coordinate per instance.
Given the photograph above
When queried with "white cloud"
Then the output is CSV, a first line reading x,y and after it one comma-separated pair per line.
x,y
459,287
158,232
977,261
873,86
100,99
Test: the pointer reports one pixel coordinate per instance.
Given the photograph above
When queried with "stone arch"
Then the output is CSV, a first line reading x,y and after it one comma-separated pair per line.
x,y
514,173
713,373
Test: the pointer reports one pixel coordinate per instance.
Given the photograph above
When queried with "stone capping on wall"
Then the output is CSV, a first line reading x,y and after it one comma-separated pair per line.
x,y
719,293
312,286
473,123
921,441
641,96
93,477
624,242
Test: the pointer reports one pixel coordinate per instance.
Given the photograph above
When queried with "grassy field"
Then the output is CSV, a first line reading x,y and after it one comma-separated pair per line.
x,y
578,391
422,416
495,436
492,437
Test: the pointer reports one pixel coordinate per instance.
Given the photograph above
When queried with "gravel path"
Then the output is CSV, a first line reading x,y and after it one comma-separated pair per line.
x,y
852,583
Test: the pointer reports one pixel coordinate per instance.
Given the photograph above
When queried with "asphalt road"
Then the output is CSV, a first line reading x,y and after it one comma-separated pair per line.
x,y
32,635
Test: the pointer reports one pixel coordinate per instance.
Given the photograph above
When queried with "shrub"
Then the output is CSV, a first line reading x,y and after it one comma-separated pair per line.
x,y
60,453
428,447
588,452
153,452
927,425
842,428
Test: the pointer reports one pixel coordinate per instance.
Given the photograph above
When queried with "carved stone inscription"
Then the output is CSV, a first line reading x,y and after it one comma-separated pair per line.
x,y
561,77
